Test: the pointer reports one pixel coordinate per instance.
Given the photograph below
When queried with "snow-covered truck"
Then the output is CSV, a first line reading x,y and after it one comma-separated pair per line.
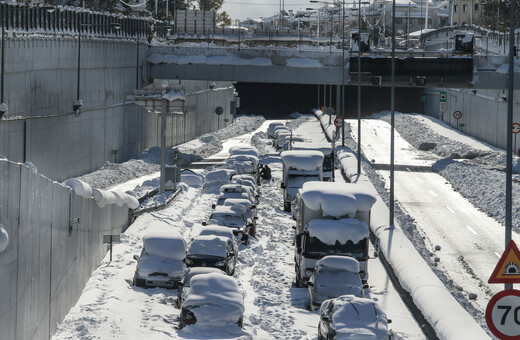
x,y
299,167
328,156
332,219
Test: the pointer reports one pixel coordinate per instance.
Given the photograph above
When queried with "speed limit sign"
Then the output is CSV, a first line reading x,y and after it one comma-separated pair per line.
x,y
338,122
503,314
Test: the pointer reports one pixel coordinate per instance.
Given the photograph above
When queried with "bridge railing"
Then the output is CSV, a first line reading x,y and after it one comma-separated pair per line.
x,y
68,20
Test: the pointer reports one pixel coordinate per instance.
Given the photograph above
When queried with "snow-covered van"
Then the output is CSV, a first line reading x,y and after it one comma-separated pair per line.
x,y
328,159
299,167
332,219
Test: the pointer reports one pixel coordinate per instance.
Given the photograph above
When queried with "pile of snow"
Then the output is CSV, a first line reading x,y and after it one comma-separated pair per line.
x,y
346,263
208,245
192,179
302,160
216,178
103,197
31,167
338,199
80,188
332,231
165,244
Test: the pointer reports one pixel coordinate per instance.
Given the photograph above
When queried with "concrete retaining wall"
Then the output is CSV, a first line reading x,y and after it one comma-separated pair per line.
x,y
46,264
484,113
40,88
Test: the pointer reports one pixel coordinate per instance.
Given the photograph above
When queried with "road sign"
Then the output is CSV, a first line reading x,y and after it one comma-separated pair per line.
x,y
442,97
516,128
338,122
442,106
508,267
503,314
219,110
457,115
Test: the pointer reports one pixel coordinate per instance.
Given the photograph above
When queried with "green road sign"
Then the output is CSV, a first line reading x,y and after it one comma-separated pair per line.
x,y
442,97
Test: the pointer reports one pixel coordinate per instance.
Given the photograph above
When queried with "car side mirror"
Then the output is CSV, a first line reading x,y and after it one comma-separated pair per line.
x,y
204,223
255,218
136,257
325,318
389,321
253,206
213,206
232,253
282,186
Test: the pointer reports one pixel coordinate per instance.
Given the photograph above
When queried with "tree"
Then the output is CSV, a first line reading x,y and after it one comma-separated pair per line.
x,y
223,19
209,5
495,14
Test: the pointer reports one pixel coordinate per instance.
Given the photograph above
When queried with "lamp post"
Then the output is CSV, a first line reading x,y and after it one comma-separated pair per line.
x,y
78,102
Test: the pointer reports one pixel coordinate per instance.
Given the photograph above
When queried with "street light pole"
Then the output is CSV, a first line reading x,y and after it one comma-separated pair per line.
x,y
4,109
392,120
359,91
343,74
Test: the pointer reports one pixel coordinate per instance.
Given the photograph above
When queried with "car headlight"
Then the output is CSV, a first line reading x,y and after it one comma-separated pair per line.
x,y
220,263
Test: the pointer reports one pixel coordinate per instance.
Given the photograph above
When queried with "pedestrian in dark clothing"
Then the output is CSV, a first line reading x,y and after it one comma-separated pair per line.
x,y
265,173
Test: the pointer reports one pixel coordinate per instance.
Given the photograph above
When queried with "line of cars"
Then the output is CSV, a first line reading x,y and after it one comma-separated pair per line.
x,y
201,271
332,243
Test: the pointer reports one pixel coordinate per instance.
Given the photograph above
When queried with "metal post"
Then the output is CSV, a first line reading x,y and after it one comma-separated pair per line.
x,y
510,100
392,120
343,74
137,63
3,53
163,146
359,92
330,29
79,61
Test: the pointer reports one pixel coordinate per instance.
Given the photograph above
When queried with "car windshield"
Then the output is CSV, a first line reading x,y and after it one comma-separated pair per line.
x,y
328,164
315,248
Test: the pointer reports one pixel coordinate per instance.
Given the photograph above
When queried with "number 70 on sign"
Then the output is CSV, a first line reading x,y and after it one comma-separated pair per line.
x,y
503,314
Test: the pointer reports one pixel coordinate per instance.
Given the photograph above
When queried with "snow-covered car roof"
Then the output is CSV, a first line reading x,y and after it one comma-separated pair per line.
x,y
271,127
244,150
345,263
245,195
242,201
358,318
302,159
337,199
243,158
208,245
229,210
215,300
219,175
217,231
330,231
232,187
163,244
323,147
192,179
193,271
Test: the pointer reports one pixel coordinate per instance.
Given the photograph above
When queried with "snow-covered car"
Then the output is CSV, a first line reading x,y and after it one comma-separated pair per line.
x,y
214,301
247,180
351,317
277,130
192,178
161,263
212,251
244,150
280,139
185,283
216,178
233,217
243,164
334,276
225,195
237,188
250,212
217,230
271,129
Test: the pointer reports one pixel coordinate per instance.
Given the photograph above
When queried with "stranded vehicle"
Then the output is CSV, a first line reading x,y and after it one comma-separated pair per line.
x,y
332,219
299,166
328,157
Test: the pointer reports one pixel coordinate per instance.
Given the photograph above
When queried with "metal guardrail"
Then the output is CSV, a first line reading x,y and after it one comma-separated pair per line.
x,y
69,20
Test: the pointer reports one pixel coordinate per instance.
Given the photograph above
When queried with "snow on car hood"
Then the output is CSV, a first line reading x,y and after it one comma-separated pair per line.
x,y
208,245
167,245
149,264
330,231
215,300
302,159
337,199
358,318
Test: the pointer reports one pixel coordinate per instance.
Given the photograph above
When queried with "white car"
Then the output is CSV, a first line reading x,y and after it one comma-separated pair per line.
x,y
351,317
238,188
161,263
185,284
243,164
216,178
247,180
213,301
271,129
217,230
334,276
212,251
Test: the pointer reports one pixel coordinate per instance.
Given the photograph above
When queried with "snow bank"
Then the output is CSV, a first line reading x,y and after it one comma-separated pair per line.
x,y
302,160
80,188
332,231
192,179
164,244
131,201
208,245
339,262
4,239
337,199
103,198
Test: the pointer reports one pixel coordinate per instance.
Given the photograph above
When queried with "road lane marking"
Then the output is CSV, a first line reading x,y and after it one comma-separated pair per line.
x,y
498,255
451,210
471,229
432,193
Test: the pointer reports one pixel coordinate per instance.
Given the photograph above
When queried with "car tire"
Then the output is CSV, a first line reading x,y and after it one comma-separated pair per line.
x,y
298,279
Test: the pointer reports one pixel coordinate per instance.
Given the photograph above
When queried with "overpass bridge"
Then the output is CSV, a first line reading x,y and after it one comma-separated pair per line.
x,y
434,67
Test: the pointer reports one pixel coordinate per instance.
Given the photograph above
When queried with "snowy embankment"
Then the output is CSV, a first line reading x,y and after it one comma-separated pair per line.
x,y
444,313
149,161
479,175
